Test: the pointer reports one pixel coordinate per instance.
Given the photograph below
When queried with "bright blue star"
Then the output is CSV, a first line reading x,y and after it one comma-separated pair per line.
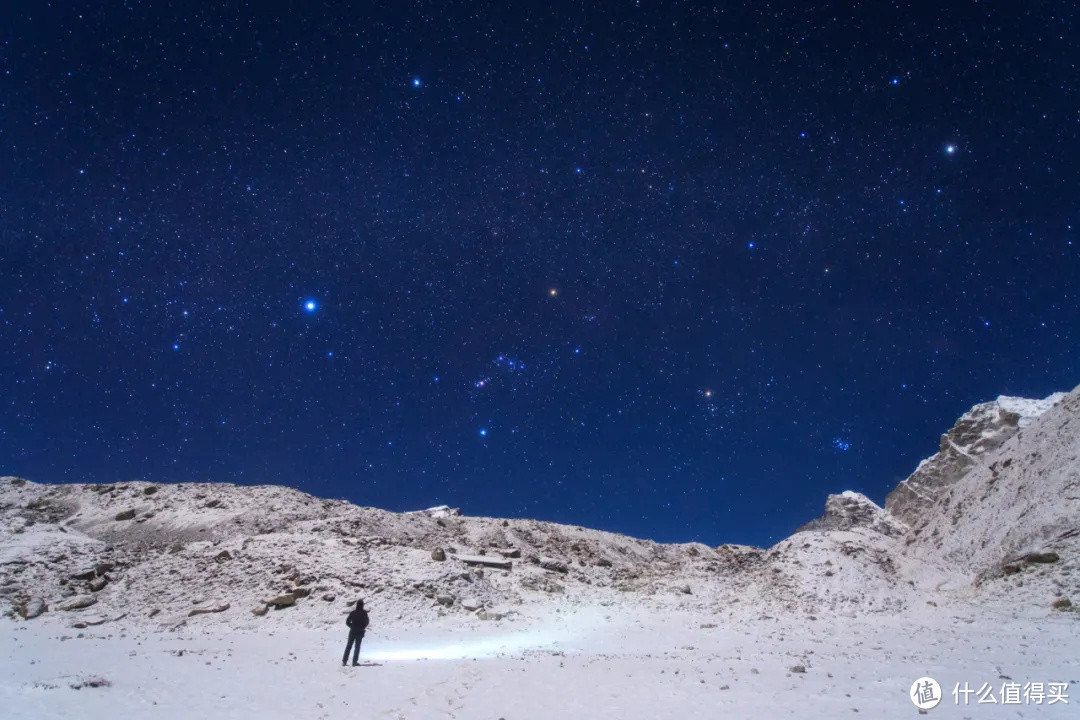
x,y
176,346
416,82
310,305
750,245
895,81
483,432
950,149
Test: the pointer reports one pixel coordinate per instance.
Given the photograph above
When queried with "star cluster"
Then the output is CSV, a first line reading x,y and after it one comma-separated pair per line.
x,y
671,269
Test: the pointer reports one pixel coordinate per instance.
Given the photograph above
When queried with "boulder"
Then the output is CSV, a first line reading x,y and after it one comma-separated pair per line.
x,y
300,592
798,668
259,610
603,562
685,589
32,608
98,583
223,556
1047,557
471,604
487,560
125,515
209,609
554,565
150,490
510,553
438,554
282,601
329,597
76,603
1061,604
86,573
444,599
490,615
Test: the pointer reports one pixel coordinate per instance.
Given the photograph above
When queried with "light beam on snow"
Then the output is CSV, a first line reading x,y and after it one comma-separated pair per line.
x,y
484,647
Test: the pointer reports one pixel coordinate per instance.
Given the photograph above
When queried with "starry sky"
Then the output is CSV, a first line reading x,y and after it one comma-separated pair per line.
x,y
671,269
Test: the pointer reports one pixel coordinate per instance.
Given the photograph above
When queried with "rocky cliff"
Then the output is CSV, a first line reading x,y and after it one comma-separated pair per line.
x,y
981,430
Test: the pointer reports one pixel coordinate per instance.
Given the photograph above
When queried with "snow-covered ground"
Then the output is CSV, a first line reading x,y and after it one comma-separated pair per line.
x,y
595,663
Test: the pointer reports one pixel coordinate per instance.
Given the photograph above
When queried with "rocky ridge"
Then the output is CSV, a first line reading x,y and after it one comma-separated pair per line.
x,y
991,518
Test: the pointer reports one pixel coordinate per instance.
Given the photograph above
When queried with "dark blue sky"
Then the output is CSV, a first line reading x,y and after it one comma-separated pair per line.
x,y
676,270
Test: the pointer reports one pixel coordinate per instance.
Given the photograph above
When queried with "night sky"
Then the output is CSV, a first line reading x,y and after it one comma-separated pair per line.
x,y
676,270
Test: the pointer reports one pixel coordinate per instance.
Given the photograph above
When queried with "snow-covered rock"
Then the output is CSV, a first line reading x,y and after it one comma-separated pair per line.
x,y
849,510
982,429
1023,497
77,602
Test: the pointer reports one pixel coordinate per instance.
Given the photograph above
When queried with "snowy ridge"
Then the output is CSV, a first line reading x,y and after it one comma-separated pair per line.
x,y
170,549
977,432
973,560
1028,409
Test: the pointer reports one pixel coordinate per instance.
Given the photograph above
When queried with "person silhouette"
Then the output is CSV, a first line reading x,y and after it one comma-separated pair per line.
x,y
357,622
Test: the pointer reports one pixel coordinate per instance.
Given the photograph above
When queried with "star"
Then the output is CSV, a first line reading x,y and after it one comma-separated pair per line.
x,y
310,305
483,432
950,149
416,82
553,292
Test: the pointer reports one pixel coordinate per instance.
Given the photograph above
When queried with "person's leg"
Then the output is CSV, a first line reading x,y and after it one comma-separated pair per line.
x,y
356,647
348,646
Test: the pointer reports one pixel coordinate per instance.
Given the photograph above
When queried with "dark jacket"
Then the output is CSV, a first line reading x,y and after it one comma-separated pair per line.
x,y
357,621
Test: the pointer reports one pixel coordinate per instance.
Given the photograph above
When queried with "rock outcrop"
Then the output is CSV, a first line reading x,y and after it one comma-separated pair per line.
x,y
849,510
982,429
